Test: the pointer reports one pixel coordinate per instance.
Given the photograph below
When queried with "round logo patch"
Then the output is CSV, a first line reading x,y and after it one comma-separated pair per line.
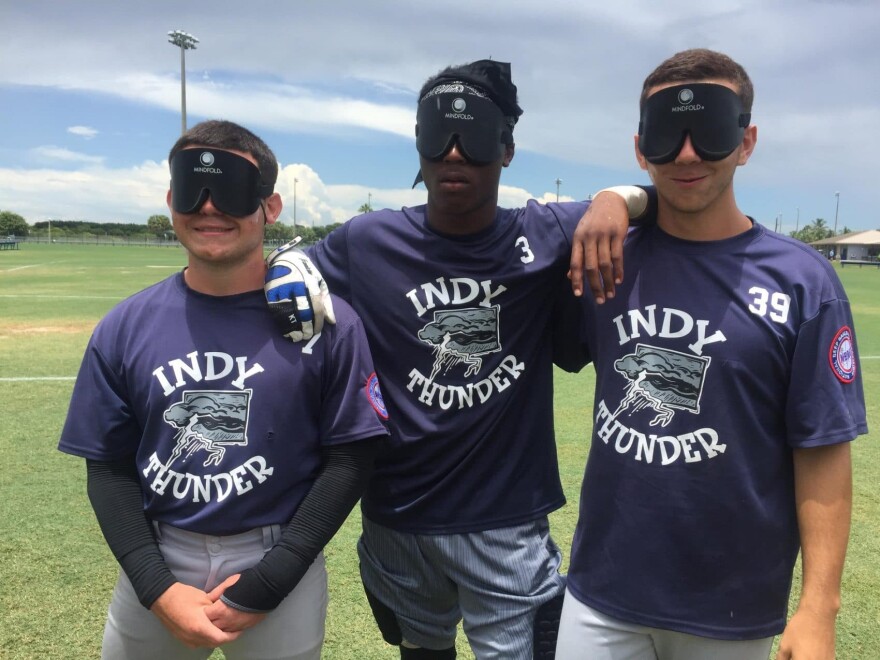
x,y
842,356
374,394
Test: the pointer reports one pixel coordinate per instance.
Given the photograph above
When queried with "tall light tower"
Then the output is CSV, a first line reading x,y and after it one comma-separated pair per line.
x,y
185,41
836,209
295,181
558,183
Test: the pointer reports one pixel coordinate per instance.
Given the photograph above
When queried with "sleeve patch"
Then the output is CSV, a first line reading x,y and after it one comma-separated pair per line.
x,y
842,356
374,394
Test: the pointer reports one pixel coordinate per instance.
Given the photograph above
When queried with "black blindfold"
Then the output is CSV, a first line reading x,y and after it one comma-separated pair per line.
x,y
233,182
454,115
711,114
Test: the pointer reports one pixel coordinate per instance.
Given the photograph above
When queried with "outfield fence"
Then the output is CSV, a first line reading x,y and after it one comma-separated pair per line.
x,y
132,241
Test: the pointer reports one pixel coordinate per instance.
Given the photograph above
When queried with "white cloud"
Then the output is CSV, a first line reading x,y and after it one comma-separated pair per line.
x,y
86,132
318,69
49,153
101,194
93,193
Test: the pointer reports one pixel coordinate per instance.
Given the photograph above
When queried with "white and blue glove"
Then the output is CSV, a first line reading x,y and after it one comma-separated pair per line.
x,y
296,292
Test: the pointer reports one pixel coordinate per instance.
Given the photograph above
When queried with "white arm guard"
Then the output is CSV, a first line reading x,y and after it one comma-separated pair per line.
x,y
636,199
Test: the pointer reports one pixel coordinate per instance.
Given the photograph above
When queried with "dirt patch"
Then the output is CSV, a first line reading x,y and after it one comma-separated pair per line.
x,y
62,329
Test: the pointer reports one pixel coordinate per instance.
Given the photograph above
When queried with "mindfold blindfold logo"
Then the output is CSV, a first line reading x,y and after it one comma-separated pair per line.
x,y
207,160
459,105
685,98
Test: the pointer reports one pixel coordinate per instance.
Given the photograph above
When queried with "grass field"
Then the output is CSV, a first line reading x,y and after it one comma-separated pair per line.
x,y
56,573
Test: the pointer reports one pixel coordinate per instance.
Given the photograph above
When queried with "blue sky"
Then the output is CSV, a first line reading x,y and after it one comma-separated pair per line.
x,y
90,97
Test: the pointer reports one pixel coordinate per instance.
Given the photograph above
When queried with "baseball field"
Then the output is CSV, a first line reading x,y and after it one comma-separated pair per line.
x,y
56,573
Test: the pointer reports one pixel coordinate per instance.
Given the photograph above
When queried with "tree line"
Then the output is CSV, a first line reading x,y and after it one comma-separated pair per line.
x,y
157,226
816,231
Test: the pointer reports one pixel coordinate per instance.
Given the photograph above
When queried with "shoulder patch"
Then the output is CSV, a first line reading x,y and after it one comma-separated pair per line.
x,y
374,394
842,355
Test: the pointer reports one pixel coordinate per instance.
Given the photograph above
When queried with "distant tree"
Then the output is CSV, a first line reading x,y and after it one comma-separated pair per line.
x,y
279,232
365,208
12,224
306,233
323,230
815,231
158,224
85,228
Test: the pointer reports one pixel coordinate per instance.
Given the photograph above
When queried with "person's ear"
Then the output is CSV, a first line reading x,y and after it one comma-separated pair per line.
x,y
643,163
750,139
273,206
509,150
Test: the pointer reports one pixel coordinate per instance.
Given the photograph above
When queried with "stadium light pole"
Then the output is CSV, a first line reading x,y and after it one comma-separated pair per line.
x,y
185,41
295,181
558,183
369,201
836,209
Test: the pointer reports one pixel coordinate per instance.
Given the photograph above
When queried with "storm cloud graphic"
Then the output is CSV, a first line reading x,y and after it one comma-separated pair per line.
x,y
209,421
663,380
460,336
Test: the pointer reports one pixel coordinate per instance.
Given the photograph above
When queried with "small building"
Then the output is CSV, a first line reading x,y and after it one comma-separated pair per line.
x,y
854,246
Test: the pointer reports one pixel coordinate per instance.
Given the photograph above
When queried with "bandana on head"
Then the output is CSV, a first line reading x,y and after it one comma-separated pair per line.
x,y
492,77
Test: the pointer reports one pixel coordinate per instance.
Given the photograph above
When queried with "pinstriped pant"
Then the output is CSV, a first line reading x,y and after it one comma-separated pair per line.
x,y
493,581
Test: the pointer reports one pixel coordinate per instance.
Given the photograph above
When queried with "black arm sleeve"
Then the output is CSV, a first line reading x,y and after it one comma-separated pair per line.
x,y
568,333
115,493
649,215
345,470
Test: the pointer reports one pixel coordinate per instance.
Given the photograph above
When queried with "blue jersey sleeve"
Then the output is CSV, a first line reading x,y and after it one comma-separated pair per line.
x,y
826,402
352,404
100,423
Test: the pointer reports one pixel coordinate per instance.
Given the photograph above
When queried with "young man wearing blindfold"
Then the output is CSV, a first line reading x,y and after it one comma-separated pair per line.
x,y
462,301
221,457
727,394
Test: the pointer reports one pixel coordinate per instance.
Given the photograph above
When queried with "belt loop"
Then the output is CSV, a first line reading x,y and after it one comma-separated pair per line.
x,y
271,536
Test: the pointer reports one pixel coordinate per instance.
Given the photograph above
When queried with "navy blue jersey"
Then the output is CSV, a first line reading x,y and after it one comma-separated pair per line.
x,y
225,416
459,328
714,360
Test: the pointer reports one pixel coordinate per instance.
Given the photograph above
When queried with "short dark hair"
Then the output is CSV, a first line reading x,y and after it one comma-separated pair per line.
x,y
222,134
698,64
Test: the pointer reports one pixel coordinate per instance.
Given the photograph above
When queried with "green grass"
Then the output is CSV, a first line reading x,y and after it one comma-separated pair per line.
x,y
56,573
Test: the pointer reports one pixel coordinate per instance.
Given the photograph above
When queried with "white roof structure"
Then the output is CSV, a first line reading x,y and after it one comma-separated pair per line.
x,y
867,237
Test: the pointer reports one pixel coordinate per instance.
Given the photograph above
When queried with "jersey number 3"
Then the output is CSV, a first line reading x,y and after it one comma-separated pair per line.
x,y
523,243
